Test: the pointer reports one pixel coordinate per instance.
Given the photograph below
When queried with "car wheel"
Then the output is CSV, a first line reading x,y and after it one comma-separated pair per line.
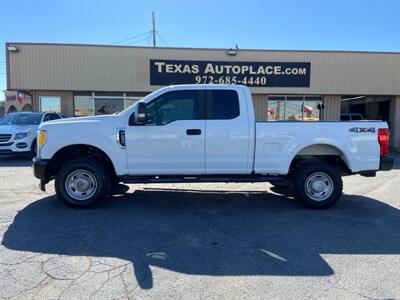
x,y
317,184
33,152
82,183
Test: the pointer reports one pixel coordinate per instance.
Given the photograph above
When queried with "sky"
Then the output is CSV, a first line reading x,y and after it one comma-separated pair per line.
x,y
366,25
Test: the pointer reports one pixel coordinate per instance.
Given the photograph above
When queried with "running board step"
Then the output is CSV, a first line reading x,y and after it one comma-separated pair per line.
x,y
205,178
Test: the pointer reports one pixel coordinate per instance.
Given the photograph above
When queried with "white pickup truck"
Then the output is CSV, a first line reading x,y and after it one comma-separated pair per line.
x,y
205,133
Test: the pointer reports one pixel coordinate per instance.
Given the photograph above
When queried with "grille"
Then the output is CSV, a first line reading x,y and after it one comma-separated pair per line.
x,y
5,137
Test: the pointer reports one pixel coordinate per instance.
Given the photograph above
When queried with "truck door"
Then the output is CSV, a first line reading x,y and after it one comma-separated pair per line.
x,y
173,140
227,132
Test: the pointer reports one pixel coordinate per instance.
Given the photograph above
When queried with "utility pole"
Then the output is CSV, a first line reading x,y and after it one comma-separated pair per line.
x,y
154,29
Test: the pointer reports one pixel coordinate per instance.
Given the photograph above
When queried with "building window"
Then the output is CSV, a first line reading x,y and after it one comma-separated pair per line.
x,y
301,108
50,104
102,103
312,108
276,108
83,106
106,106
131,100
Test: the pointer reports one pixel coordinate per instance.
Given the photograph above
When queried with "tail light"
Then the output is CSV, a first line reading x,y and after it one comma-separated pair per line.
x,y
383,139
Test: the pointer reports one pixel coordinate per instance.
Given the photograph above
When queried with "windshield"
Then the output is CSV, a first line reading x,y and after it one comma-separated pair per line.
x,y
21,119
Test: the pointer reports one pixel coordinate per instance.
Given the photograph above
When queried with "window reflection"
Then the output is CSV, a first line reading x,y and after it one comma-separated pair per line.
x,y
83,106
300,108
131,100
311,111
276,110
50,104
89,103
106,106
294,108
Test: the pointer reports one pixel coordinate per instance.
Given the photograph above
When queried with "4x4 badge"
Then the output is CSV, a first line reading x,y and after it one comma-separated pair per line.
x,y
362,130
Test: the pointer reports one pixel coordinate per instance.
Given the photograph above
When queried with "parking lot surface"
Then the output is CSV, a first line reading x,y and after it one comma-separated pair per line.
x,y
219,241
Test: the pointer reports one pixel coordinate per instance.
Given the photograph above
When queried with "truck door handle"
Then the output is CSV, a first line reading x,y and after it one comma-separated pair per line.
x,y
193,131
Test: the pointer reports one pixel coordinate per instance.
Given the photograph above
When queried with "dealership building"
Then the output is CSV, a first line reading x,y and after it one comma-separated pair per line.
x,y
79,80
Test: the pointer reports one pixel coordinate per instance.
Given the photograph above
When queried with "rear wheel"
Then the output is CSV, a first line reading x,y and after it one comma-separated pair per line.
x,y
82,183
317,184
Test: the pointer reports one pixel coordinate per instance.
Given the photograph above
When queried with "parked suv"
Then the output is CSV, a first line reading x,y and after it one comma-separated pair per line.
x,y
18,131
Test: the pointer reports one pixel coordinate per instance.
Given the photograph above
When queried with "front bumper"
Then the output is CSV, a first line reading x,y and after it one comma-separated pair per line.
x,y
12,146
386,163
40,168
11,151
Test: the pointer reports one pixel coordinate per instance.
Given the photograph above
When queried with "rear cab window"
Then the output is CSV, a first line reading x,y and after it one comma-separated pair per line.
x,y
222,104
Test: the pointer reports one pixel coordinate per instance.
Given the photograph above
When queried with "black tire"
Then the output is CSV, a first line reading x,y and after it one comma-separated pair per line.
x,y
324,176
33,151
92,169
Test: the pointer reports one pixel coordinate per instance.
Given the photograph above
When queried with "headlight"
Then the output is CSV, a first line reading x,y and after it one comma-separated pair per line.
x,y
21,135
42,137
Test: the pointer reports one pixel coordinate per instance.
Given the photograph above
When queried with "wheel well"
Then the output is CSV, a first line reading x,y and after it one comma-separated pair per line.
x,y
319,149
34,141
71,152
321,152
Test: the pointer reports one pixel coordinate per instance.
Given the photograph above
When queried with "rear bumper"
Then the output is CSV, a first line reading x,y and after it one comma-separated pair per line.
x,y
40,168
386,163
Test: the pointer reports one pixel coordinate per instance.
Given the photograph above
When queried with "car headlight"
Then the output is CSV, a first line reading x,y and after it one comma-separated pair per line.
x,y
21,135
41,137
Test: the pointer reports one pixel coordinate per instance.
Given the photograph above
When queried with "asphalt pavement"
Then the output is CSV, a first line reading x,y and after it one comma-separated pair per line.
x,y
199,241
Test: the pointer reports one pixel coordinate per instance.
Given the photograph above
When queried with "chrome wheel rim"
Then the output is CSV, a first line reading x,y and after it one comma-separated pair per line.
x,y
318,186
81,185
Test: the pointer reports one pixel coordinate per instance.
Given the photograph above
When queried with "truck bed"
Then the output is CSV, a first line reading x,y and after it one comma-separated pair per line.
x,y
277,143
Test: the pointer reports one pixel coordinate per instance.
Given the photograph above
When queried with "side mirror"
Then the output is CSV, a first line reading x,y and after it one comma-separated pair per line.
x,y
139,117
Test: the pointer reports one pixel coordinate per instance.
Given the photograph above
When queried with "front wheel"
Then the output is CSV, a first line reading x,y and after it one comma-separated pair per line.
x,y
317,184
82,183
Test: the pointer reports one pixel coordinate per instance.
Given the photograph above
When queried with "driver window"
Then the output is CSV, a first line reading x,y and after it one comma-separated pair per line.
x,y
173,106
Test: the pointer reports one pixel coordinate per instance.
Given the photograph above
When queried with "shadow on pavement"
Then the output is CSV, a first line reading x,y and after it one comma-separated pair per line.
x,y
10,160
209,233
396,156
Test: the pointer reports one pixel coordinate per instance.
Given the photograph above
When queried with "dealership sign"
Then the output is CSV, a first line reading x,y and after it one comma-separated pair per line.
x,y
254,74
